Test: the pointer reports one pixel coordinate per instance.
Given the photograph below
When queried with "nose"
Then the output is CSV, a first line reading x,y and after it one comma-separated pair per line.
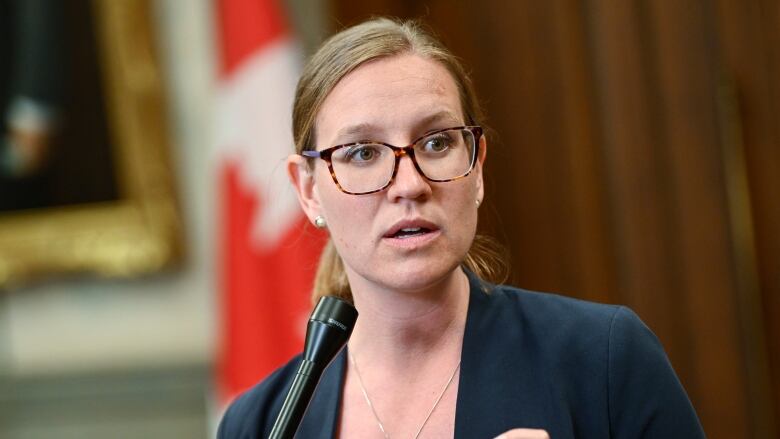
x,y
408,182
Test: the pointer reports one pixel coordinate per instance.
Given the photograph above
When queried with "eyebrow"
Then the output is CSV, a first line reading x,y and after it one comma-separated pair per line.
x,y
366,128
361,128
439,116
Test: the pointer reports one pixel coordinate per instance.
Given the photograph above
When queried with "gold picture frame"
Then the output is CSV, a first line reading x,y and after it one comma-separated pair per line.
x,y
141,232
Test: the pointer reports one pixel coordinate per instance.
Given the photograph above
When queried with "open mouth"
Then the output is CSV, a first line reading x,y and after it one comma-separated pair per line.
x,y
409,232
410,229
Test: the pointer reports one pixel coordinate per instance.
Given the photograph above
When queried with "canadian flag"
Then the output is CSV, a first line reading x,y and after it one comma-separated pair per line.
x,y
269,253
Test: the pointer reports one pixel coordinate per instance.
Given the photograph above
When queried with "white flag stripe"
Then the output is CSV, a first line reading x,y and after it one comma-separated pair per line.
x,y
254,131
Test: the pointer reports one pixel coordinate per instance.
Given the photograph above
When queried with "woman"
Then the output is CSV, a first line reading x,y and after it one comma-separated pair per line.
x,y
389,161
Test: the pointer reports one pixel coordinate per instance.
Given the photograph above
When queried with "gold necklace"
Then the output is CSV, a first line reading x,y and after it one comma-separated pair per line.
x,y
373,410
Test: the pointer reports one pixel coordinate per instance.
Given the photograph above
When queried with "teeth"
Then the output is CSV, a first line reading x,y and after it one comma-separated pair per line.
x,y
407,232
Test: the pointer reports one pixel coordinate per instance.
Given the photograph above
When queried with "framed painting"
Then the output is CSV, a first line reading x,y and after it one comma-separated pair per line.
x,y
114,211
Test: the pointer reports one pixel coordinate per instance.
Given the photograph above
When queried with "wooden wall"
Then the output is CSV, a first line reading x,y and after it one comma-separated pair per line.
x,y
635,159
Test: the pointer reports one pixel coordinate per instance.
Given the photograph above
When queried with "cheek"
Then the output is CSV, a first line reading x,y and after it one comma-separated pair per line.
x,y
464,198
350,220
328,194
465,204
348,216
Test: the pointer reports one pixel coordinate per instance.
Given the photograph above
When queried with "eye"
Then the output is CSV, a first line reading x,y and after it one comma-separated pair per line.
x,y
363,153
437,143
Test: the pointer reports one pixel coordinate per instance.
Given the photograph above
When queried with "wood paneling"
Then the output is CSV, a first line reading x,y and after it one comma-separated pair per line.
x,y
750,51
687,76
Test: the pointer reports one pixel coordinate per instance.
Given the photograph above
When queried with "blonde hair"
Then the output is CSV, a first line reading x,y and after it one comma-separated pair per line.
x,y
338,56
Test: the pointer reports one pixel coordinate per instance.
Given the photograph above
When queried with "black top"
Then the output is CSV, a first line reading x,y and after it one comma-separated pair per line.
x,y
529,360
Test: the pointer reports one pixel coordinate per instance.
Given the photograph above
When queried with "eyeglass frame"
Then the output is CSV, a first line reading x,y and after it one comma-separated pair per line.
x,y
399,151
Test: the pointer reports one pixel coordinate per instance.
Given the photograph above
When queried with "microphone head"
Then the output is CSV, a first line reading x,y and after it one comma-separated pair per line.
x,y
329,328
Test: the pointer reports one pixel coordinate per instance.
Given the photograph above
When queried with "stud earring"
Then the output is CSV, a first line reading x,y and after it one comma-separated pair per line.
x,y
478,202
319,222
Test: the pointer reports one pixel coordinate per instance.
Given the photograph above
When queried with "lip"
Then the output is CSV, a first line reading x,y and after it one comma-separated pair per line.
x,y
414,241
409,224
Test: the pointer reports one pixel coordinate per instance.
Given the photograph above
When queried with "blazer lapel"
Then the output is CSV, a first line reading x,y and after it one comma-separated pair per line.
x,y
499,387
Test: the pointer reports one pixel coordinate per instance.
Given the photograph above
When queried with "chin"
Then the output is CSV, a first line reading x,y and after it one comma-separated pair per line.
x,y
414,277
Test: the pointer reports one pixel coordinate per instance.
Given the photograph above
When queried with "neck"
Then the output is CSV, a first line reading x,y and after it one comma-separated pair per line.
x,y
399,326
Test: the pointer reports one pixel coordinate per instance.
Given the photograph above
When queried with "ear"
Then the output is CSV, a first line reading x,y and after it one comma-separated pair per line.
x,y
302,178
480,166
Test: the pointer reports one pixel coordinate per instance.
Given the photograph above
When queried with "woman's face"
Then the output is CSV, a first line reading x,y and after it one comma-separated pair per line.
x,y
414,233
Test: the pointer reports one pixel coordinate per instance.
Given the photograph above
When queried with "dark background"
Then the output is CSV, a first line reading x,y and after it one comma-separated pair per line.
x,y
80,167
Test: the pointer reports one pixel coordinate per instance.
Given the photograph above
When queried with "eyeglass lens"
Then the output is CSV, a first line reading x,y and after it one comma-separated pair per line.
x,y
440,156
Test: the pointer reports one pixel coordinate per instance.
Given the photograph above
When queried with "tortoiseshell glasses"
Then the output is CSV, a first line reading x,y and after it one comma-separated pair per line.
x,y
365,167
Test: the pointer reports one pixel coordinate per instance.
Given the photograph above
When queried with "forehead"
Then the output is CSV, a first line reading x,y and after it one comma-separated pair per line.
x,y
389,93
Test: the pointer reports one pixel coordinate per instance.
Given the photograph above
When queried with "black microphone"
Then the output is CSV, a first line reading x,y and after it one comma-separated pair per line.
x,y
329,328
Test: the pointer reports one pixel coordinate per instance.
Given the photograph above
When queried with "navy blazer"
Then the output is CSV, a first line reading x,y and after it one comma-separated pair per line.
x,y
529,360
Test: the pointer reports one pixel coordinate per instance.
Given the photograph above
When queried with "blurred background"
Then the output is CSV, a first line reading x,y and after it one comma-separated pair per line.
x,y
634,158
